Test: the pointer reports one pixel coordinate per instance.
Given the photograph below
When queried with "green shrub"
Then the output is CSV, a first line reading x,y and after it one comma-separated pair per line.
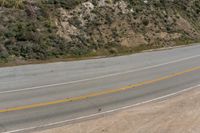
x,y
145,22
68,4
12,3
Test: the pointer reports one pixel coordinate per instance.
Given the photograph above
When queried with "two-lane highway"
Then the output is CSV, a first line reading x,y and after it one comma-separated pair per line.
x,y
45,95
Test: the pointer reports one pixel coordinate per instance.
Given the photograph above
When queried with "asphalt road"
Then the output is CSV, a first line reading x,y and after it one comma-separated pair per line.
x,y
47,95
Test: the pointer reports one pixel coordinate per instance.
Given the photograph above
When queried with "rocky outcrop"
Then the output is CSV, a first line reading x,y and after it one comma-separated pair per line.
x,y
124,24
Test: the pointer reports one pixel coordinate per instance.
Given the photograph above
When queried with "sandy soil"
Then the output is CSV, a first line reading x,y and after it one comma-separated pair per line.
x,y
178,114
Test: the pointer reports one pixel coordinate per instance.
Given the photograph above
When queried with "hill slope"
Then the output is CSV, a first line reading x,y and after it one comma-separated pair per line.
x,y
43,29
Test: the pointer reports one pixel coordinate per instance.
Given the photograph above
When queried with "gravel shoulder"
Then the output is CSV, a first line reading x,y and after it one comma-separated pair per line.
x,y
178,114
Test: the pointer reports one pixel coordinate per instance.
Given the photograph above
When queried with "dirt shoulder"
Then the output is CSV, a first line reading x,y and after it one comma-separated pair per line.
x,y
179,114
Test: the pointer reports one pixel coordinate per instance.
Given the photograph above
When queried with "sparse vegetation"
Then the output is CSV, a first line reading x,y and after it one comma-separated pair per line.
x,y
43,29
12,3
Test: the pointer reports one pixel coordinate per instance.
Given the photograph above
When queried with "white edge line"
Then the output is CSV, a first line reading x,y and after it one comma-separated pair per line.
x,y
100,77
102,113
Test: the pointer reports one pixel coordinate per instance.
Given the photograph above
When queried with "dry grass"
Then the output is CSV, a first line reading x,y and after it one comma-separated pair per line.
x,y
11,3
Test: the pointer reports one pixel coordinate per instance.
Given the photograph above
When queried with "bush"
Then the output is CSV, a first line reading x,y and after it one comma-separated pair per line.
x,y
68,4
145,22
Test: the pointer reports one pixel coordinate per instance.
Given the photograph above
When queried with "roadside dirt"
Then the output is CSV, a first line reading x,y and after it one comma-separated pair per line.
x,y
178,114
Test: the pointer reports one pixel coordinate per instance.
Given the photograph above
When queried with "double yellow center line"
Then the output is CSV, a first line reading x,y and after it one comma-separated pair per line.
x,y
100,93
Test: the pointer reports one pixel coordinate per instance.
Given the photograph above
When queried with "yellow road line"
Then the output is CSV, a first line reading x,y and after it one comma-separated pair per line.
x,y
100,93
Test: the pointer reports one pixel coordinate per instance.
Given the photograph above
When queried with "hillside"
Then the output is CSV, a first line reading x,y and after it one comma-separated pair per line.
x,y
45,29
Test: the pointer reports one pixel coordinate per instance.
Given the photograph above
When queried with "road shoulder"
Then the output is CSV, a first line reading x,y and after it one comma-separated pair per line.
x,y
180,114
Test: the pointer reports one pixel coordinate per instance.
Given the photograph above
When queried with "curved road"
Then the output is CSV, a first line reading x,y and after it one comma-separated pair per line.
x,y
46,95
